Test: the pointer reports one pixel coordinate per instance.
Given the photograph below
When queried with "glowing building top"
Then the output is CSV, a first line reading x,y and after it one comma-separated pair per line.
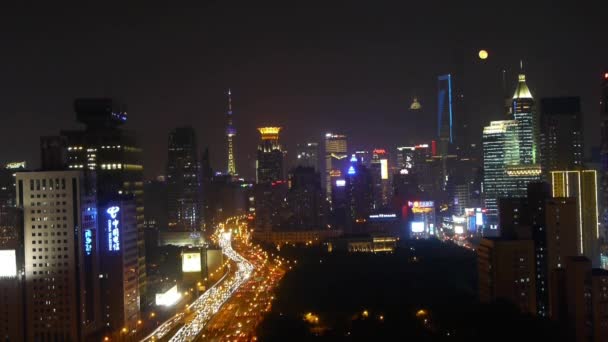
x,y
522,91
269,133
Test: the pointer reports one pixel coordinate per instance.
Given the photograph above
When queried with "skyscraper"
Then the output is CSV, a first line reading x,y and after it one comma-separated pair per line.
x,y
561,133
184,181
111,153
306,200
62,298
230,133
500,149
336,160
510,151
581,185
380,179
444,124
269,164
359,195
506,271
7,183
604,150
12,326
524,114
307,155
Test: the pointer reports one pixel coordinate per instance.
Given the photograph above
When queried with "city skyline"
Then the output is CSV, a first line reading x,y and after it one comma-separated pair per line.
x,y
400,66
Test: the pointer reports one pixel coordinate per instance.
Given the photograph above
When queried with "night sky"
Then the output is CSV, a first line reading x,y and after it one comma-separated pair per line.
x,y
351,67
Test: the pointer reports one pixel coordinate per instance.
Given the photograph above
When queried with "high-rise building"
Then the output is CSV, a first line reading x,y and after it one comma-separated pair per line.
x,y
53,152
119,284
582,186
524,114
12,325
7,183
444,124
269,165
551,224
111,153
604,151
571,298
358,193
510,150
561,133
306,200
307,155
380,178
184,181
599,299
336,160
61,255
506,271
500,149
230,134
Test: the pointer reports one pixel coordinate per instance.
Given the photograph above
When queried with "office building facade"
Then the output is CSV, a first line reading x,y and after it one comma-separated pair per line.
x,y
307,155
111,153
269,163
62,298
506,271
561,133
336,160
184,183
581,185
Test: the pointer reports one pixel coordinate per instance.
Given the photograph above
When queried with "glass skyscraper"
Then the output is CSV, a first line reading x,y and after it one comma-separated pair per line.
x,y
500,149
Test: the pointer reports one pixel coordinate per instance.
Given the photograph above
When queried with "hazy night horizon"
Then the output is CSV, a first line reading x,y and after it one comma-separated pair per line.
x,y
277,171
315,67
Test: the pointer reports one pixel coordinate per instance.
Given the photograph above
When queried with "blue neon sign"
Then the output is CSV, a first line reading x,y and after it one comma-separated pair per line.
x,y
113,230
88,242
351,170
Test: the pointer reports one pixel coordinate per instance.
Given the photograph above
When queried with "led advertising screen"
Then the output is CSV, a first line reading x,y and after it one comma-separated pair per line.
x,y
191,262
384,168
168,298
417,226
8,263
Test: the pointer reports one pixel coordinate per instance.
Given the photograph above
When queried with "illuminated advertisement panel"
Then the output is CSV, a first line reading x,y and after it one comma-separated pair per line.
x,y
191,262
8,263
113,229
88,242
168,298
340,182
382,216
422,206
417,226
384,168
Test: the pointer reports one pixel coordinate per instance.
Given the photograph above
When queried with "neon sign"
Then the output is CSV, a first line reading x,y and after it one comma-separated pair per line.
x,y
88,242
113,232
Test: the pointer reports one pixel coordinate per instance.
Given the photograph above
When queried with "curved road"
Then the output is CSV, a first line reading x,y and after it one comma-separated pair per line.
x,y
209,303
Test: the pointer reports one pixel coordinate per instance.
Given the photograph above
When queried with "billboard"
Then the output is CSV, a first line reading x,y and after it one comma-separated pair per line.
x,y
417,226
191,262
421,207
169,297
8,263
384,168
340,182
113,229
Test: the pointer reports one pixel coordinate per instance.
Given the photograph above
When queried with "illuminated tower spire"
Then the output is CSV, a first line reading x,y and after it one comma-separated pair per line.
x,y
230,133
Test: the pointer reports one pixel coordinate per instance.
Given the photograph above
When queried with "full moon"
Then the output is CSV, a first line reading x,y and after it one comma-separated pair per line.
x,y
483,54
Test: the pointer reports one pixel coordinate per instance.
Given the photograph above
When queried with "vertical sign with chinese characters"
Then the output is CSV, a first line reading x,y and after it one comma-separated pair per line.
x,y
88,242
113,229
